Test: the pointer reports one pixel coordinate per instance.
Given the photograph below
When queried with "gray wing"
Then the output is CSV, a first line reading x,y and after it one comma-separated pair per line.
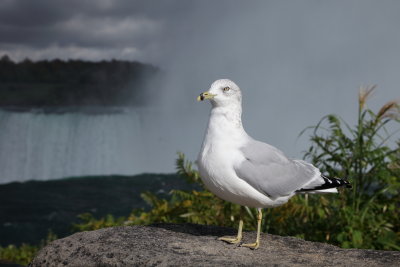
x,y
269,171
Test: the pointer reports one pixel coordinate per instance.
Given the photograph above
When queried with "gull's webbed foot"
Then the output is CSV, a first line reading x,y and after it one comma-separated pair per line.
x,y
251,245
230,240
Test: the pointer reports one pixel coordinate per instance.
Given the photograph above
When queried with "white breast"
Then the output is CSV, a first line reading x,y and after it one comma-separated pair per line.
x,y
219,153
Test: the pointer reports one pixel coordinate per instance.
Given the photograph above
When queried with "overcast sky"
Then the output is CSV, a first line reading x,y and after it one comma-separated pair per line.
x,y
296,61
93,30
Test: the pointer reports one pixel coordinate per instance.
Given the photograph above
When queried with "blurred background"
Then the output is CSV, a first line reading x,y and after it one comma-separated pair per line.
x,y
295,61
99,88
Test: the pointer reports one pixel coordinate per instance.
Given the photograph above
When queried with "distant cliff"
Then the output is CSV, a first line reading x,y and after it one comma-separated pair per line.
x,y
74,83
56,204
197,245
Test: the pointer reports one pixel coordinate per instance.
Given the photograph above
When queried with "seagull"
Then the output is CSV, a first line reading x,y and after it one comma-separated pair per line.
x,y
244,171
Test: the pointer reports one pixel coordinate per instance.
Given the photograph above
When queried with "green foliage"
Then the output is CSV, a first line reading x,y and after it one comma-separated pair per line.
x,y
91,223
367,216
24,253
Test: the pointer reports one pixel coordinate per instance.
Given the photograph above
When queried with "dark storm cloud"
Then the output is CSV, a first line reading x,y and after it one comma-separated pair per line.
x,y
18,14
97,29
103,29
47,12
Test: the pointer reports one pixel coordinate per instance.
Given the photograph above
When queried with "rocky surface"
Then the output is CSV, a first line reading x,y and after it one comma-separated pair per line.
x,y
193,245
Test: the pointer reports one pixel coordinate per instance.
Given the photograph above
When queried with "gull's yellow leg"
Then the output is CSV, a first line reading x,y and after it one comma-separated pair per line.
x,y
257,243
238,238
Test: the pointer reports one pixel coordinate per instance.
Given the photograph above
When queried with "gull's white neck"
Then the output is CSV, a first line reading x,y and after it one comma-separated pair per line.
x,y
225,125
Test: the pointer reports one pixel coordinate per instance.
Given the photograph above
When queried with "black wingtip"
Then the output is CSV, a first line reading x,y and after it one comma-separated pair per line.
x,y
338,181
329,182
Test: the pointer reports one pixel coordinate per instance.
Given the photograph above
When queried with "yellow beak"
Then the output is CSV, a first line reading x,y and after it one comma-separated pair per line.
x,y
205,95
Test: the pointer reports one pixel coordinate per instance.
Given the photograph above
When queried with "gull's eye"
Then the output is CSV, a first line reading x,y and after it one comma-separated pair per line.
x,y
226,89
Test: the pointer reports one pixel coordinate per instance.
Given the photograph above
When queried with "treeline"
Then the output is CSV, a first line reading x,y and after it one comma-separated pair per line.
x,y
72,83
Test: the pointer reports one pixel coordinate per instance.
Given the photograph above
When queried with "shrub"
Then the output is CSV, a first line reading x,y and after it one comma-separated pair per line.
x,y
24,253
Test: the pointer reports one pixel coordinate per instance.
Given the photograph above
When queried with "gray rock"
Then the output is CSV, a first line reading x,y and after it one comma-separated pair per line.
x,y
194,245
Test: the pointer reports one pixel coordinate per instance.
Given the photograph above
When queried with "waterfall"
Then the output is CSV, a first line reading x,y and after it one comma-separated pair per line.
x,y
42,146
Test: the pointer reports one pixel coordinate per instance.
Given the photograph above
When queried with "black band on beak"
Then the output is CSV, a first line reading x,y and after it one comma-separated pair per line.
x,y
202,96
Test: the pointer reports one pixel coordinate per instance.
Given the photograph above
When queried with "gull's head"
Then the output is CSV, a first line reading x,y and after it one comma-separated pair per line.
x,y
222,92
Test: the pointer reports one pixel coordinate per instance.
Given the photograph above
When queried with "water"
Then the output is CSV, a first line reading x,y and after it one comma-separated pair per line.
x,y
40,145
